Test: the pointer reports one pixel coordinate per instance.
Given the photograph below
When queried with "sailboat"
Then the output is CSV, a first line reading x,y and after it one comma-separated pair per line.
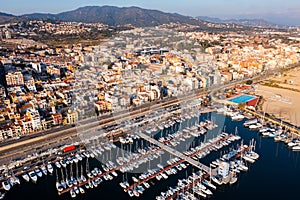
x,y
58,185
208,183
88,173
236,135
72,179
68,181
82,177
63,183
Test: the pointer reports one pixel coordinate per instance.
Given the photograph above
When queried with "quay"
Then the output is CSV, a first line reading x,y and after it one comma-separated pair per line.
x,y
274,121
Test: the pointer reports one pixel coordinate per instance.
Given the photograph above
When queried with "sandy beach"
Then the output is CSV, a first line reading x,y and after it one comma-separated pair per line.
x,y
283,103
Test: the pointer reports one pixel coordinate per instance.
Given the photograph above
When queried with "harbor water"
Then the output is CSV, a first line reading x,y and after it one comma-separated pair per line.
x,y
274,175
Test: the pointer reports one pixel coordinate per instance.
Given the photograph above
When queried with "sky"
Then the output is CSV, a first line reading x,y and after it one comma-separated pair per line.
x,y
285,12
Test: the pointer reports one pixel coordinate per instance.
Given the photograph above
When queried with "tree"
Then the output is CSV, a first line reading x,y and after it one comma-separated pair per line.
x,y
249,82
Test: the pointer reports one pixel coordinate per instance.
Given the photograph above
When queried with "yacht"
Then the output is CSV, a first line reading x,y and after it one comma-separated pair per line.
x,y
250,122
233,179
76,190
147,185
237,117
50,168
57,164
248,159
44,170
81,190
32,176
255,126
6,186
14,180
217,179
59,186
38,172
130,192
73,194
296,148
209,184
25,177
124,184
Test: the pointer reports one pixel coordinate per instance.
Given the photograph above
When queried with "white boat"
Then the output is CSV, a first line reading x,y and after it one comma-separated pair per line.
x,y
130,192
2,195
255,126
209,184
207,191
38,172
217,179
6,186
32,176
296,148
59,186
233,179
50,168
14,180
81,190
73,194
44,170
250,122
147,185
114,174
237,117
265,133
135,179
57,164
26,177
248,159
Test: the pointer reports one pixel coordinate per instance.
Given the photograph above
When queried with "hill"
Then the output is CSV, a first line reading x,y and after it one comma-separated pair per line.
x,y
5,18
113,16
244,22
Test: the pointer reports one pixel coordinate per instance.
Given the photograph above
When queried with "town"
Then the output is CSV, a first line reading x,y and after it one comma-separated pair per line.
x,y
41,83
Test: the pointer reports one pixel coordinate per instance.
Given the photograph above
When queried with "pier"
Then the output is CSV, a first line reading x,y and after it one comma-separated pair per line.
x,y
274,121
153,175
174,152
109,171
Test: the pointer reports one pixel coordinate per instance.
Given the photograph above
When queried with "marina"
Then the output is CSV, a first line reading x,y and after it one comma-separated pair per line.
x,y
148,151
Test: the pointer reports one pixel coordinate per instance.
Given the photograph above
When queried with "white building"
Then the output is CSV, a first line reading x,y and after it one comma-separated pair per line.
x,y
34,115
223,169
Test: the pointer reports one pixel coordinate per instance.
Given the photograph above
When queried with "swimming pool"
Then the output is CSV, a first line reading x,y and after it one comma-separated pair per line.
x,y
242,99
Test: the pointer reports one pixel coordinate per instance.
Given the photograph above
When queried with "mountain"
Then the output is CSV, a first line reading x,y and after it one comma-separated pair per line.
x,y
5,18
244,22
112,15
40,16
